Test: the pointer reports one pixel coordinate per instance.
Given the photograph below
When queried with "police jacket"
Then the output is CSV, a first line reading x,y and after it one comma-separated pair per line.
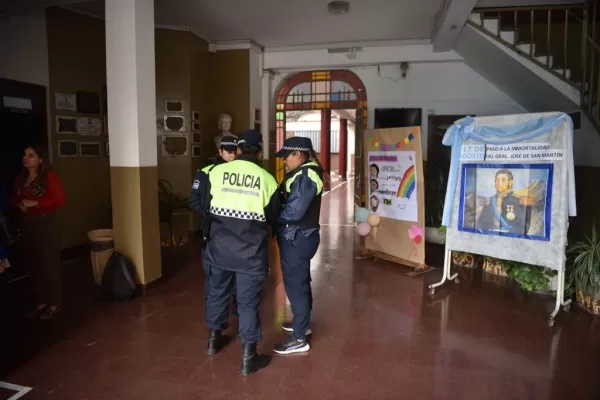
x,y
242,203
195,200
301,191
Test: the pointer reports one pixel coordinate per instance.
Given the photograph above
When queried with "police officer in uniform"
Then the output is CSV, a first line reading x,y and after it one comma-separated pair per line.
x,y
227,153
244,202
298,235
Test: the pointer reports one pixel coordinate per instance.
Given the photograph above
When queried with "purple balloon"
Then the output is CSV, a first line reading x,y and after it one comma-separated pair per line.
x,y
363,229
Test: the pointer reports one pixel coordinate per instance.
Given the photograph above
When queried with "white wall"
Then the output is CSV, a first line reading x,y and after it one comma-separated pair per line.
x,y
442,88
255,84
24,49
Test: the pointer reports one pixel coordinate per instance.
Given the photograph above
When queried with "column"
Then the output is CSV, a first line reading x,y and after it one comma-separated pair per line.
x,y
130,74
325,154
265,121
343,153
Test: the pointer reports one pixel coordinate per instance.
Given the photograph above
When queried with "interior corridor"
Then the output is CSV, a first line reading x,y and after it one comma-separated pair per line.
x,y
377,335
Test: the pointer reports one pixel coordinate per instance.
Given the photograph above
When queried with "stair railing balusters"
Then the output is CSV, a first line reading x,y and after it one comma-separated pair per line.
x,y
548,39
531,34
584,58
593,52
565,45
516,29
499,22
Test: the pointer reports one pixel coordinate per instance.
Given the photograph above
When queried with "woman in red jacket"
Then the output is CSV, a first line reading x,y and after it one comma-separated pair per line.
x,y
36,196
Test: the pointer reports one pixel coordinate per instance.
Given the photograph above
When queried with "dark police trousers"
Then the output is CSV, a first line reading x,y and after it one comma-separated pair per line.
x,y
248,288
295,265
234,307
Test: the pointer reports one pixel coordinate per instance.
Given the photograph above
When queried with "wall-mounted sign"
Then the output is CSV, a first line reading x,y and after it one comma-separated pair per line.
x,y
65,101
89,126
515,152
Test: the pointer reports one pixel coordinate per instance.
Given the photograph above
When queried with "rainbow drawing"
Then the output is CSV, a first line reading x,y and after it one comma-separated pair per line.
x,y
407,184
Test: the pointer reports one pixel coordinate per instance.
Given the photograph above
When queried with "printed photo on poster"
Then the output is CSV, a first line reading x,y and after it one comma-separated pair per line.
x,y
392,185
512,200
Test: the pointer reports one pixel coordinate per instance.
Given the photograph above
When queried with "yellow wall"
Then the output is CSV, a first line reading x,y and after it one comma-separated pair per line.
x,y
230,87
77,62
208,83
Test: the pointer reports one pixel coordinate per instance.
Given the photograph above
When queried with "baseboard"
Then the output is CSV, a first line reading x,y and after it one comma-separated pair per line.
x,y
74,253
144,288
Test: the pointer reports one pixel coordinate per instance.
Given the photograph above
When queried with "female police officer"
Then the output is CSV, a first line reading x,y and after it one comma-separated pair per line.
x,y
298,235
227,153
243,202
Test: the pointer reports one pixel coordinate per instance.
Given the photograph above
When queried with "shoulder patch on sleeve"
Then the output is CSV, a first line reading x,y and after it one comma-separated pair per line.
x,y
196,184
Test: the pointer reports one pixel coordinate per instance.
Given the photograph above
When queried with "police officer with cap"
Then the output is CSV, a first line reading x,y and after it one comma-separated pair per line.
x,y
244,202
298,235
227,153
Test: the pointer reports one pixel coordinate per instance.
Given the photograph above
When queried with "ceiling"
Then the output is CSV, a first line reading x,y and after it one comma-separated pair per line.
x,y
283,23
273,23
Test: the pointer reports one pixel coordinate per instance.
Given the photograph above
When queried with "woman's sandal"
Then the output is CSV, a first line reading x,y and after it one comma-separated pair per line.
x,y
50,313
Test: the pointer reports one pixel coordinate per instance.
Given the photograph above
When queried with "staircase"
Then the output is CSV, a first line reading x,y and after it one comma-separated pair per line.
x,y
563,40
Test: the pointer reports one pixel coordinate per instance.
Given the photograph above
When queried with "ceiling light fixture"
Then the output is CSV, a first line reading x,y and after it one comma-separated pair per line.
x,y
338,7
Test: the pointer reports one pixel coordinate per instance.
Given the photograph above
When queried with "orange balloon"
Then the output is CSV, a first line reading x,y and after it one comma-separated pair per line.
x,y
373,219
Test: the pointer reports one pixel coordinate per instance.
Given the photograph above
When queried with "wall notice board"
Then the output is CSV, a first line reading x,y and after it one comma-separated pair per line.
x,y
393,168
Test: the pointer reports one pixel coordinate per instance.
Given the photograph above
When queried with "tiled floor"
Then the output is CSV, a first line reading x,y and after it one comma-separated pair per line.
x,y
377,335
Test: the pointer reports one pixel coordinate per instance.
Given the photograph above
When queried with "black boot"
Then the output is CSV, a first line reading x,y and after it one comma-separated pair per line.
x,y
251,361
214,342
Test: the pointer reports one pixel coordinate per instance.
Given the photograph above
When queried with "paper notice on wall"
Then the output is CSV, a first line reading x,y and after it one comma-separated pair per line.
x,y
392,184
517,152
65,101
89,126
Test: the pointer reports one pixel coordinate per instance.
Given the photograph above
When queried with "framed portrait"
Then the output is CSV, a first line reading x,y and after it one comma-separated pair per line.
x,y
68,148
89,149
88,102
173,106
174,123
512,200
66,125
196,151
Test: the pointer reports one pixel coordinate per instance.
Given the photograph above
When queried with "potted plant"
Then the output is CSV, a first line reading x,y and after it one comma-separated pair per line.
x,y
460,258
531,278
584,273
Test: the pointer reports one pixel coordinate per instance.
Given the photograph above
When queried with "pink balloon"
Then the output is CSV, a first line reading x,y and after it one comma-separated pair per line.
x,y
363,229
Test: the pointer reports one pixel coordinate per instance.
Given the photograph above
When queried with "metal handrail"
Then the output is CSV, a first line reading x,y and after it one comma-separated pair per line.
x,y
588,83
531,8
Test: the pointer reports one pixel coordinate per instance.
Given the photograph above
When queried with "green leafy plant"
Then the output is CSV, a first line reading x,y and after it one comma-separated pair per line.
x,y
585,262
529,277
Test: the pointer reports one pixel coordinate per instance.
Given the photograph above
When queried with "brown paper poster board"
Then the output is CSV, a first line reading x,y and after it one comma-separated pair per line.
x,y
394,168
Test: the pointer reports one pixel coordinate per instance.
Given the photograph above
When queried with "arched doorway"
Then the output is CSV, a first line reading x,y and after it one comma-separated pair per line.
x,y
323,90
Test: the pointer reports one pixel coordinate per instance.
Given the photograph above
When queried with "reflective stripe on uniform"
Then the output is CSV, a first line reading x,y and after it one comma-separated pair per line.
x,y
313,176
226,212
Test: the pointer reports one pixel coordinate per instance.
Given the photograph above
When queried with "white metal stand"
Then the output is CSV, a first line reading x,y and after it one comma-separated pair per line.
x,y
560,297
447,273
560,289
